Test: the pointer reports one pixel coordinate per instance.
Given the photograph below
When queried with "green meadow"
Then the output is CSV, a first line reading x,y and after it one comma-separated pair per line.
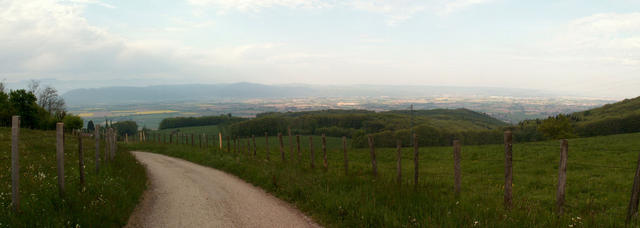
x,y
600,175
106,200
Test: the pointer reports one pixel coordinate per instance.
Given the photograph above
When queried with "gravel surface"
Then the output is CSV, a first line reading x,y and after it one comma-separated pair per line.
x,y
183,194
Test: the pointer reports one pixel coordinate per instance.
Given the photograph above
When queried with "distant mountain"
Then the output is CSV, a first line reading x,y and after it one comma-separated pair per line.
x,y
203,92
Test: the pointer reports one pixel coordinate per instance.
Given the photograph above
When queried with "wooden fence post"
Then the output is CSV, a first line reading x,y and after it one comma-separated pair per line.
x,y
80,160
298,148
632,210
374,164
107,144
313,165
255,149
416,161
508,169
228,144
237,142
220,139
248,146
206,140
266,139
97,144
346,159
456,166
126,138
399,165
290,144
324,152
15,163
562,176
192,144
60,157
281,146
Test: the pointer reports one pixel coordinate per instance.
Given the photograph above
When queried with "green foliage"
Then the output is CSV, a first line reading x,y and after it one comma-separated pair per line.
x,y
176,122
600,174
126,127
106,200
558,127
72,122
23,103
356,123
90,126
5,109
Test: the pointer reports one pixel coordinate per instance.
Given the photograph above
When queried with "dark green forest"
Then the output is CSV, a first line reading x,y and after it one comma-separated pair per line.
x,y
177,122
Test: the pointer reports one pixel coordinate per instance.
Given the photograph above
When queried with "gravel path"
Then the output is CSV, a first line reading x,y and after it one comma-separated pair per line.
x,y
183,194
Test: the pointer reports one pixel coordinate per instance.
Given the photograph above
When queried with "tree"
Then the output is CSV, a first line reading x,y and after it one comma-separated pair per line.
x,y
72,122
128,127
558,127
90,126
5,108
24,104
49,99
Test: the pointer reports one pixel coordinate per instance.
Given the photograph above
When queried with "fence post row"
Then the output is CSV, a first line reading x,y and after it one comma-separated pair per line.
x,y
562,176
15,163
508,169
60,157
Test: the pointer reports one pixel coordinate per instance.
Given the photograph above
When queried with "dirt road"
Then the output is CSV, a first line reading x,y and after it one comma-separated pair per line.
x,y
183,194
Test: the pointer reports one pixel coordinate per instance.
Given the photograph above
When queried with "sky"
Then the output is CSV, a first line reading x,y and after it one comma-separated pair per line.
x,y
588,48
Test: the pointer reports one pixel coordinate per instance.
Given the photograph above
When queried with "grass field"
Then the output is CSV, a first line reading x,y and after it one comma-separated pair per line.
x,y
600,174
106,199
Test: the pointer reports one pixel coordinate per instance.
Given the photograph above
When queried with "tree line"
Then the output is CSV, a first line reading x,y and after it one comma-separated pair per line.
x,y
177,122
39,107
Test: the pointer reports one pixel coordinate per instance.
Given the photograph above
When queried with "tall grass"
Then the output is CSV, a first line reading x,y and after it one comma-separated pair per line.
x,y
600,174
106,200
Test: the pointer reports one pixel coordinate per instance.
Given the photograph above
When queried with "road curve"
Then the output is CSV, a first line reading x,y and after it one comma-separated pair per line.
x,y
183,194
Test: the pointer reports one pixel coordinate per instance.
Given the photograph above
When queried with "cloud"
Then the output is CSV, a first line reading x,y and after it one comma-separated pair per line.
x,y
457,5
607,38
257,5
96,2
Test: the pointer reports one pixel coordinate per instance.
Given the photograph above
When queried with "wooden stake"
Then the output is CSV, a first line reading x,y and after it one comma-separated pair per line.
x,y
60,157
399,163
220,139
80,160
97,144
248,146
456,166
266,138
281,146
632,210
313,165
298,148
228,144
508,169
346,159
255,149
15,163
562,176
374,164
290,144
324,152
416,162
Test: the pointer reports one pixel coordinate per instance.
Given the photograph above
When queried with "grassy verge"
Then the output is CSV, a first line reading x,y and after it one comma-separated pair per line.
x,y
600,175
106,200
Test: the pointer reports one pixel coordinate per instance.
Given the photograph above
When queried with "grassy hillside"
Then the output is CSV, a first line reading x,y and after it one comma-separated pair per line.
x,y
600,174
106,199
619,109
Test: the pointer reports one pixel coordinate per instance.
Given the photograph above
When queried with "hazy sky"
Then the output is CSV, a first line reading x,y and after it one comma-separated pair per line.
x,y
585,47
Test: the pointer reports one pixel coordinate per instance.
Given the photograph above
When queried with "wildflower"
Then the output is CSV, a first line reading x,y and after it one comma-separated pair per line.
x,y
475,223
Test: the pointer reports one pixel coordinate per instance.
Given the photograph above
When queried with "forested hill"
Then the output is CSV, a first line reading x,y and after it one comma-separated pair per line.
x,y
439,126
616,118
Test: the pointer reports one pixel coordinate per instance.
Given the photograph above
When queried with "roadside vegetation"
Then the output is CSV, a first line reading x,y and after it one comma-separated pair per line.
x,y
600,174
106,200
